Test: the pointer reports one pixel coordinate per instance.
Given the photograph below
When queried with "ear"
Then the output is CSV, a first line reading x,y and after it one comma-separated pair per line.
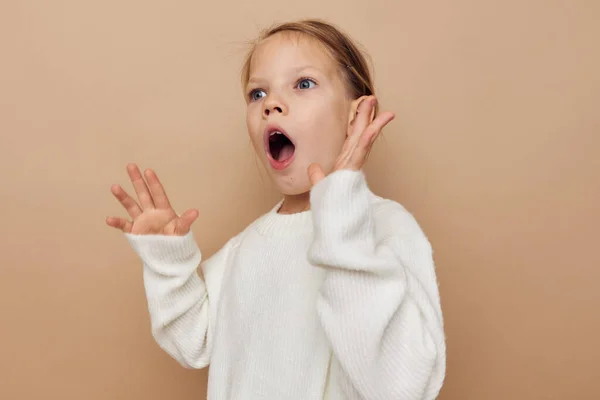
x,y
354,112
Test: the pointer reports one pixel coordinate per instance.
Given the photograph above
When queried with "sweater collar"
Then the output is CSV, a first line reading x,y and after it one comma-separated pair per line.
x,y
274,224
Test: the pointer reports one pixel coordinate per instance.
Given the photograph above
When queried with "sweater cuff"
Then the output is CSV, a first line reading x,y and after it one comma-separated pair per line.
x,y
166,254
340,206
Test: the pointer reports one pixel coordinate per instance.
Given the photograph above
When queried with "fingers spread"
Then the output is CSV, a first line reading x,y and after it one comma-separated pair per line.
x,y
365,109
374,129
140,186
382,120
133,209
368,138
185,222
157,190
119,223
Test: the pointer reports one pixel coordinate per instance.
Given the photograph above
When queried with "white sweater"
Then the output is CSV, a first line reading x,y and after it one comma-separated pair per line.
x,y
340,302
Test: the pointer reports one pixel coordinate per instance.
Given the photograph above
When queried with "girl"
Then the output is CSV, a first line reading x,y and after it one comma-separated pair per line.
x,y
332,294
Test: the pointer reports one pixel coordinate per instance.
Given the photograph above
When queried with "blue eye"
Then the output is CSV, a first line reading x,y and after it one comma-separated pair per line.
x,y
306,84
255,94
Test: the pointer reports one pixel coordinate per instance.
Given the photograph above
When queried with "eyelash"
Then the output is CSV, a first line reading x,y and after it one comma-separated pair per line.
x,y
304,78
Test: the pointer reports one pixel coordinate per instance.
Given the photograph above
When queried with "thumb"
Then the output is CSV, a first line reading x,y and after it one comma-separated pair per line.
x,y
315,173
185,221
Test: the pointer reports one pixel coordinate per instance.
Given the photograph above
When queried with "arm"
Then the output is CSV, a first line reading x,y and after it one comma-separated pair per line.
x,y
379,304
181,304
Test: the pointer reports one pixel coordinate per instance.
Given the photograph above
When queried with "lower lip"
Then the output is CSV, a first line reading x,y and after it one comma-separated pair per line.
x,y
280,165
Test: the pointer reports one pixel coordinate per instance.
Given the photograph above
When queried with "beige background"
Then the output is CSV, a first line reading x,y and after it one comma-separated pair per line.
x,y
496,150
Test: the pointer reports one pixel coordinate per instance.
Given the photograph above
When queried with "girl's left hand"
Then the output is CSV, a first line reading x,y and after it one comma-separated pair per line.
x,y
358,144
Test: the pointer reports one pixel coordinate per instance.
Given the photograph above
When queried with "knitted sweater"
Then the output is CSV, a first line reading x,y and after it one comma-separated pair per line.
x,y
339,302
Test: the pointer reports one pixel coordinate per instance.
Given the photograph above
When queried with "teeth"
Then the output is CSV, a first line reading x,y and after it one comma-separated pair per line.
x,y
276,133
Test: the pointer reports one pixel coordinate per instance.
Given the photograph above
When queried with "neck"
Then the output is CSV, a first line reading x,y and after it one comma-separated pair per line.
x,y
293,204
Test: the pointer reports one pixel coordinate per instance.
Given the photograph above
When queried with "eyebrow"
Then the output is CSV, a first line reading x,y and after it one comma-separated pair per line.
x,y
296,71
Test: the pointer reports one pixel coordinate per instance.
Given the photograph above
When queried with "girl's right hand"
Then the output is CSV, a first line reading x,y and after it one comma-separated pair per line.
x,y
153,214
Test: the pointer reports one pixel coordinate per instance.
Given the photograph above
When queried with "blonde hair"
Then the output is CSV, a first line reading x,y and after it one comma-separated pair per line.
x,y
351,61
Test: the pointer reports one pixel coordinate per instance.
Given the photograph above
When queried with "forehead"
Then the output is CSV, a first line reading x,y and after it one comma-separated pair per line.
x,y
285,50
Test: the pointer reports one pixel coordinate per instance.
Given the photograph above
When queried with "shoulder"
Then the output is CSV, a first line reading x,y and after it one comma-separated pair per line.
x,y
393,220
398,230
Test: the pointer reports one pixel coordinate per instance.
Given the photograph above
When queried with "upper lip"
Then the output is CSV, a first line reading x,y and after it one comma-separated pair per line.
x,y
270,128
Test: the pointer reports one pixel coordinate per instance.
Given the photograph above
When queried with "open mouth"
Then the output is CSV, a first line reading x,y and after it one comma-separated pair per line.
x,y
280,146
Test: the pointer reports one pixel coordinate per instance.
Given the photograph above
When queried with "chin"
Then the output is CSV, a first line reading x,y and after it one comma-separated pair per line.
x,y
292,184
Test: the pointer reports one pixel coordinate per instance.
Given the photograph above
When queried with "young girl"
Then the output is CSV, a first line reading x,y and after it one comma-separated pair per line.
x,y
332,294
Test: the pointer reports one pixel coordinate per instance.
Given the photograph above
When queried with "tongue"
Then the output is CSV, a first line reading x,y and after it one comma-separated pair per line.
x,y
286,152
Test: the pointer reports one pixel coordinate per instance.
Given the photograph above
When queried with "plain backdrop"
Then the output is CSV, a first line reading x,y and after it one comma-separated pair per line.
x,y
495,150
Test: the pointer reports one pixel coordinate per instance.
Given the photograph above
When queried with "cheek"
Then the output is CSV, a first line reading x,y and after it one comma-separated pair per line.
x,y
331,128
249,121
253,128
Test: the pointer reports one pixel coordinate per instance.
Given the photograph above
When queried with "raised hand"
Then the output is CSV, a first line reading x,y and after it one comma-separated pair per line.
x,y
359,143
153,214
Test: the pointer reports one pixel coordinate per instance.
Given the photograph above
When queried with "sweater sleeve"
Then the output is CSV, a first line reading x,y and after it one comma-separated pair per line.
x,y
379,303
182,304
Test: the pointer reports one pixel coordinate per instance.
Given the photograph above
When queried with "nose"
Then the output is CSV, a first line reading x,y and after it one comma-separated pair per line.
x,y
274,105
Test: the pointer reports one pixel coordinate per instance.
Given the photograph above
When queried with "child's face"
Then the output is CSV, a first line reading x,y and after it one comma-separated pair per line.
x,y
295,88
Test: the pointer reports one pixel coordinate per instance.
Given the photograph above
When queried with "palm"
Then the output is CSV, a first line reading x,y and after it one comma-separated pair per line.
x,y
153,213
155,221
357,146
